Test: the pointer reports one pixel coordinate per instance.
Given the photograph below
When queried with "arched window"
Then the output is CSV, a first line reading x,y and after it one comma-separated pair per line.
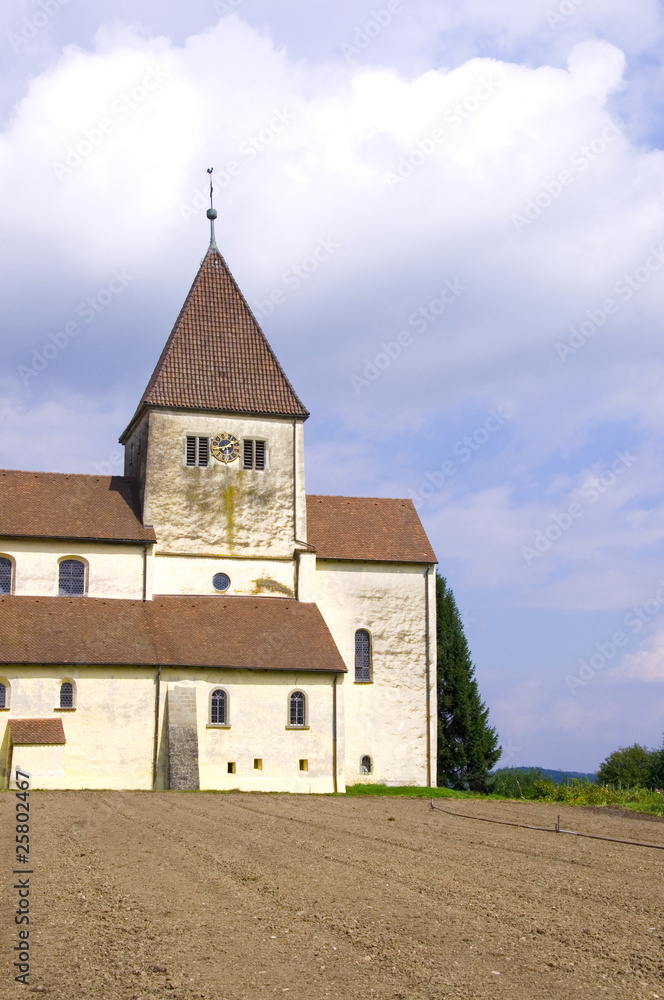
x,y
366,765
218,708
362,656
298,709
67,695
4,696
5,575
71,581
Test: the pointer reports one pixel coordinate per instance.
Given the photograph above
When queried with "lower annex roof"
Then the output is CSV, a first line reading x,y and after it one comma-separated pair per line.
x,y
264,633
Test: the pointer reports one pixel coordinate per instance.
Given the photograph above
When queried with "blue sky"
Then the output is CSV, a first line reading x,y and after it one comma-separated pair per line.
x,y
481,332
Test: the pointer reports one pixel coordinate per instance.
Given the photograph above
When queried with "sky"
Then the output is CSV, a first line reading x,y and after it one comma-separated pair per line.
x,y
448,218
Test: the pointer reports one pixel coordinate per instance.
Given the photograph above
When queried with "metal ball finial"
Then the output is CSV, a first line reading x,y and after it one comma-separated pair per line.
x,y
212,213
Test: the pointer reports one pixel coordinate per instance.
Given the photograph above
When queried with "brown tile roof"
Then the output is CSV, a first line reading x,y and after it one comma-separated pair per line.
x,y
217,357
367,528
48,731
54,505
258,633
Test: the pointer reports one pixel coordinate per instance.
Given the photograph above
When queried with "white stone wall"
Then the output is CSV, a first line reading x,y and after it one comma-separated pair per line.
x,y
223,508
109,734
114,571
249,577
385,719
258,717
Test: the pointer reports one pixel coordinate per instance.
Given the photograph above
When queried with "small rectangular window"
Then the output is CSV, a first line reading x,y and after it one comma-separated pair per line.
x,y
258,764
304,765
231,767
198,451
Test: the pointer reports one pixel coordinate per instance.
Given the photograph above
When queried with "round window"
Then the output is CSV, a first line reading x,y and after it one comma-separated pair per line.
x,y
221,581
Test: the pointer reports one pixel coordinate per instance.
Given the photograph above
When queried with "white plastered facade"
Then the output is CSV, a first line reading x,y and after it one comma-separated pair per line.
x,y
250,525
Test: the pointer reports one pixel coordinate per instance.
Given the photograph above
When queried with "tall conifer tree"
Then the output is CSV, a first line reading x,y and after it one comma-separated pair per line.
x,y
467,744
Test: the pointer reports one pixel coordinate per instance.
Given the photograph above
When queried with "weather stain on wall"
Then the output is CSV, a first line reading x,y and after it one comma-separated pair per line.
x,y
272,587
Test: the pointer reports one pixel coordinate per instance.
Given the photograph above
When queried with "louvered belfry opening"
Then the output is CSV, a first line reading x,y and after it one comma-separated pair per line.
x,y
253,456
198,451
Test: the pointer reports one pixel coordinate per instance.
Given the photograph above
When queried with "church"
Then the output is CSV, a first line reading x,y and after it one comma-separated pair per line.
x,y
201,622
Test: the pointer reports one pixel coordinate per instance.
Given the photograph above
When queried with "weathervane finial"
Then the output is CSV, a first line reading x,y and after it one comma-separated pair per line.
x,y
212,213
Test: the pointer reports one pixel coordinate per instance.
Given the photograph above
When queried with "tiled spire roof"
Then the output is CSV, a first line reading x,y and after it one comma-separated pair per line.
x,y
217,357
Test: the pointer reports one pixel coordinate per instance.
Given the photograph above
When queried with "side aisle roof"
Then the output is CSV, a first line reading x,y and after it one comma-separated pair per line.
x,y
251,633
55,505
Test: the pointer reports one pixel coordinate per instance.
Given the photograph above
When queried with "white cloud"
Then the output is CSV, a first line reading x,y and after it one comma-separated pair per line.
x,y
645,665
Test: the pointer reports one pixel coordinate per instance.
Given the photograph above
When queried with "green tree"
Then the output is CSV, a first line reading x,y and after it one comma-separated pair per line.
x,y
657,767
467,744
630,767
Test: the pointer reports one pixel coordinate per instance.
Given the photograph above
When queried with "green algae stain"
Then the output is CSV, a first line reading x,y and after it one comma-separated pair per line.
x,y
229,500
272,587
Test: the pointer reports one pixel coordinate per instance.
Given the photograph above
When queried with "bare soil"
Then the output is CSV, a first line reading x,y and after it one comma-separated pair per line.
x,y
173,895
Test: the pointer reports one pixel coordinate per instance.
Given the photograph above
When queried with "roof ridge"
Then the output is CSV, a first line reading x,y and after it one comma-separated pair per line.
x,y
66,475
338,496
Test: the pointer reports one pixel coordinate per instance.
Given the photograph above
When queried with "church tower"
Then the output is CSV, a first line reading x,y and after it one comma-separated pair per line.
x,y
216,449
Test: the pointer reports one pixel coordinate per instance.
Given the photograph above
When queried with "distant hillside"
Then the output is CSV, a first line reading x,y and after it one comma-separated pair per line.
x,y
558,776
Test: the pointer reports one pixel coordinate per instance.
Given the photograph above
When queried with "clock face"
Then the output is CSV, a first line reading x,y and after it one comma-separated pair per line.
x,y
225,448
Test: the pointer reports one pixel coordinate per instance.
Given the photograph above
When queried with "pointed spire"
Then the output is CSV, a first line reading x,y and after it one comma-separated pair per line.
x,y
212,214
217,358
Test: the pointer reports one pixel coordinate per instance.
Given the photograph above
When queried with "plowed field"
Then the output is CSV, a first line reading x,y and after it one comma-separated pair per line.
x,y
236,897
